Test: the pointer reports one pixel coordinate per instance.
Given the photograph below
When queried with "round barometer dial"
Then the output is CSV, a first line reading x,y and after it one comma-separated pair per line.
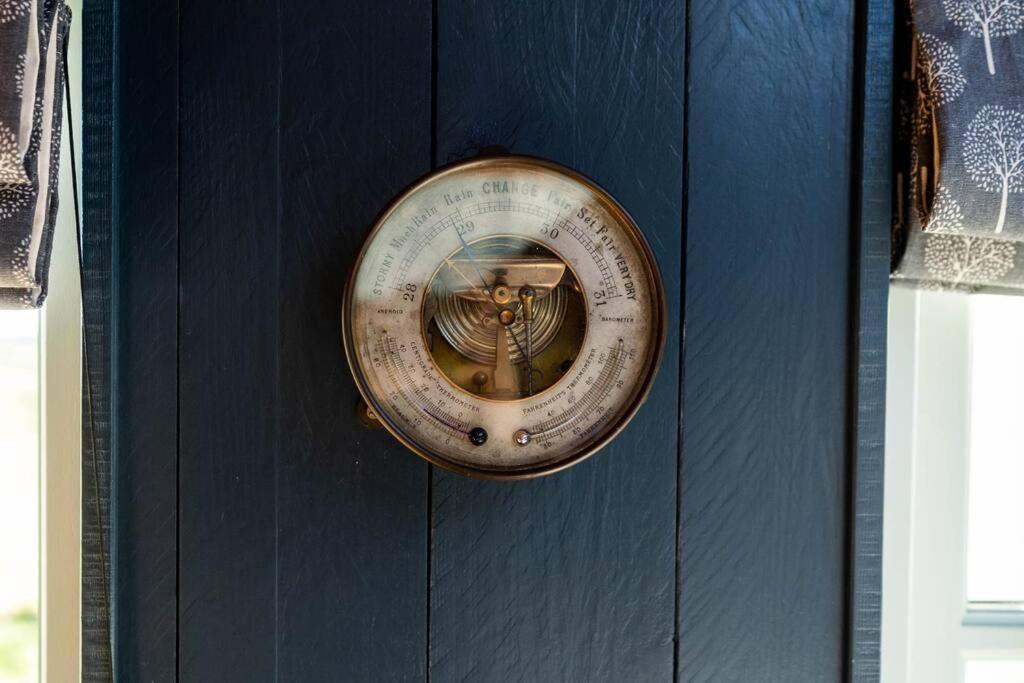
x,y
505,317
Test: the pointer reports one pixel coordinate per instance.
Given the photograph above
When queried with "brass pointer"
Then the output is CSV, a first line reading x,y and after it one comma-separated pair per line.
x,y
526,298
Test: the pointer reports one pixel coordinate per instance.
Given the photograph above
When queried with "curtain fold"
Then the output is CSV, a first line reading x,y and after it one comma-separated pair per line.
x,y
33,41
959,220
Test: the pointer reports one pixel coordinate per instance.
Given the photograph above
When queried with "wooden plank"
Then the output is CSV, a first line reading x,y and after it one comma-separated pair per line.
x,y
228,387
570,577
766,399
97,210
874,214
145,285
353,514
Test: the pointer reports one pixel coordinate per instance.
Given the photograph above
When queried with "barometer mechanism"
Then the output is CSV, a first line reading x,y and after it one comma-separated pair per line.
x,y
505,318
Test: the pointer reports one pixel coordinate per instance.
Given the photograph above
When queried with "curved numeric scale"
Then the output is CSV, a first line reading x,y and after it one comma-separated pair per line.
x,y
505,317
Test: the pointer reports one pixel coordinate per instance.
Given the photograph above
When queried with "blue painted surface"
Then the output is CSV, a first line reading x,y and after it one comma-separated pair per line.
x,y
263,535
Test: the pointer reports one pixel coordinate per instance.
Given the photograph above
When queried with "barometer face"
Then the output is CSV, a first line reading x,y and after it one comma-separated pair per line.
x,y
505,318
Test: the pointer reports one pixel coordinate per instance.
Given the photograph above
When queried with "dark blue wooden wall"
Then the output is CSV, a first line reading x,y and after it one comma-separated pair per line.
x,y
260,533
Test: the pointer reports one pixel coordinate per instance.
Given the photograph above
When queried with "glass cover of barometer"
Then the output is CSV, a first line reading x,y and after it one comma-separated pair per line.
x,y
504,318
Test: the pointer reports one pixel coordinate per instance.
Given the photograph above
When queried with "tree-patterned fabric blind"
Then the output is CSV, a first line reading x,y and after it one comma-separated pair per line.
x,y
959,220
33,37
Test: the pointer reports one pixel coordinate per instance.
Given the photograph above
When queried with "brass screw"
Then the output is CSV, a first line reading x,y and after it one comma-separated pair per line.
x,y
501,294
507,316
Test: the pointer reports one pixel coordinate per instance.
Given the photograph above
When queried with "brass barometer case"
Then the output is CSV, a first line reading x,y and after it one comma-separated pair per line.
x,y
505,318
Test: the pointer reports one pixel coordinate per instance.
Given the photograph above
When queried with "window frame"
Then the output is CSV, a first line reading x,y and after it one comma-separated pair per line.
x,y
60,453
60,424
929,629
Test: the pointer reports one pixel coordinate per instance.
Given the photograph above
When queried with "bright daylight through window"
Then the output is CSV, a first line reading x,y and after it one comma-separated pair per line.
x,y
19,495
995,530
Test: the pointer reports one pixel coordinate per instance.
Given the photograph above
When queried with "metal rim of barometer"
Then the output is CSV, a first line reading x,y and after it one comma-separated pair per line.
x,y
653,360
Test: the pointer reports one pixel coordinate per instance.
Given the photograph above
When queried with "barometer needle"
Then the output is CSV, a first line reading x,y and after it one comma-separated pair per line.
x,y
472,259
487,290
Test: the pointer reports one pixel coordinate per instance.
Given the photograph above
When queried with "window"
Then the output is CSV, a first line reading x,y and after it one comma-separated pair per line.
x,y
40,451
953,571
40,457
995,513
19,495
994,671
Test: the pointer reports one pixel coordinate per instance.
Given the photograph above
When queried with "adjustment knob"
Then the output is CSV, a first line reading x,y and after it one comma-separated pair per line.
x,y
478,436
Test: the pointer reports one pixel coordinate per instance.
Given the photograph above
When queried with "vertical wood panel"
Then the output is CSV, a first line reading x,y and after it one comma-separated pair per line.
x,y
570,577
228,391
353,515
874,216
97,335
146,341
767,341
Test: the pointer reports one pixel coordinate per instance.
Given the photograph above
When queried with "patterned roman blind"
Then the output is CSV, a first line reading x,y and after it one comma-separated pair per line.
x,y
959,220
33,39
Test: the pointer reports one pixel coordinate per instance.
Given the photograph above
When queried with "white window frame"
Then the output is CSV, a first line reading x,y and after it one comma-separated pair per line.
x,y
929,631
60,424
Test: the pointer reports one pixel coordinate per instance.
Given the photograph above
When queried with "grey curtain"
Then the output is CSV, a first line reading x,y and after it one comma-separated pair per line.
x,y
959,220
33,39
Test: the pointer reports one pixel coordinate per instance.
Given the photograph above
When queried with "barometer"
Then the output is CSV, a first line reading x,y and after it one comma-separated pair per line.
x,y
504,318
